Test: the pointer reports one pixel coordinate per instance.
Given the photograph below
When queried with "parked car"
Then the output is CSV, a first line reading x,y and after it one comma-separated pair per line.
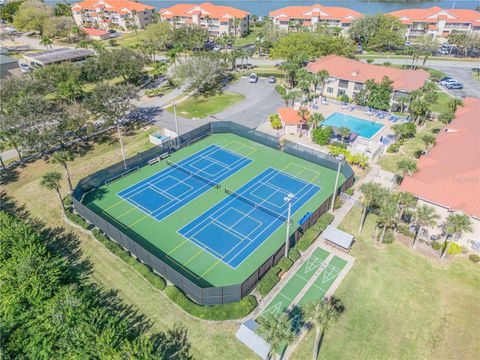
x,y
454,85
447,80
253,78
24,68
272,79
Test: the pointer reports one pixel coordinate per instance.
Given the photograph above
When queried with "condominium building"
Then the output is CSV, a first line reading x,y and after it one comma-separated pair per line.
x,y
216,19
112,14
448,177
348,77
437,22
294,18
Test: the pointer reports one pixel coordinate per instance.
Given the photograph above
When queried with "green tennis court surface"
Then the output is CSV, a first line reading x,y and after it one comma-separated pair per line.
x,y
138,215
293,287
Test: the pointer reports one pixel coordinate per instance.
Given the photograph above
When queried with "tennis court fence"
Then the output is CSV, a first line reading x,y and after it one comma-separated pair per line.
x,y
197,289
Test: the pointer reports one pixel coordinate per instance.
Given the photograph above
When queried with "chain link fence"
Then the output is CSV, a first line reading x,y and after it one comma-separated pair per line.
x,y
197,289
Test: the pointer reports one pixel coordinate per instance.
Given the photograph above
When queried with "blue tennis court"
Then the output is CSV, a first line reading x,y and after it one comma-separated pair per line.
x,y
239,224
168,190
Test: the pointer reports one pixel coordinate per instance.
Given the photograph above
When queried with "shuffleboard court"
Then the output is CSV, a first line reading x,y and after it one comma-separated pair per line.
x,y
168,190
324,281
236,226
293,287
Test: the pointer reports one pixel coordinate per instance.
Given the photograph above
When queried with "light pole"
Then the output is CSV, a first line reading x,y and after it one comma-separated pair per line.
x,y
288,199
340,160
176,124
121,145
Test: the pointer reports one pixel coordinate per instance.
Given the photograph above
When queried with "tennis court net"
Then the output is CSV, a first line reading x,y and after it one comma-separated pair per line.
x,y
255,205
193,174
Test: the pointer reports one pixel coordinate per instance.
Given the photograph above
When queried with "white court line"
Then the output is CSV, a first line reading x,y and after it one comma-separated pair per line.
x,y
243,217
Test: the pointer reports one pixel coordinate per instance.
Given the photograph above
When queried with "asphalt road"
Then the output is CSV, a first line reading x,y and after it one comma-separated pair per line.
x,y
471,87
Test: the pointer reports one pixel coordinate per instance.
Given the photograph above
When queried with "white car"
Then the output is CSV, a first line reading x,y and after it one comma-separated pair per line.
x,y
448,81
253,78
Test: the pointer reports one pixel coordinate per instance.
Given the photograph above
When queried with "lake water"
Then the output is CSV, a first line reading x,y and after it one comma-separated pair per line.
x,y
263,7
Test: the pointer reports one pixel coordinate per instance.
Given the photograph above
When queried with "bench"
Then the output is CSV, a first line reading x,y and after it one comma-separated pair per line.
x,y
158,158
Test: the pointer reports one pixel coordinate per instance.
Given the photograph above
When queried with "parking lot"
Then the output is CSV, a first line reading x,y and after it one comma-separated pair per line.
x,y
471,87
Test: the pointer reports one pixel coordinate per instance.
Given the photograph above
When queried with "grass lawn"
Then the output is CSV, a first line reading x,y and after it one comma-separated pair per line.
x,y
209,340
389,161
130,39
201,107
248,39
401,305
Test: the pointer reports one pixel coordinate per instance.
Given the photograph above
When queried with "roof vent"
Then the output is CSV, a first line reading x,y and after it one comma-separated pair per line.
x,y
355,73
447,130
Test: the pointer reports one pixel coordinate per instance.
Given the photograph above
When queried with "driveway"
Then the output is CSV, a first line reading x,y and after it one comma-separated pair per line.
x,y
261,100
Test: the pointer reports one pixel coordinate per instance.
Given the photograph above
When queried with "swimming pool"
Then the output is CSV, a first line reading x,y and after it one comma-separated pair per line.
x,y
363,128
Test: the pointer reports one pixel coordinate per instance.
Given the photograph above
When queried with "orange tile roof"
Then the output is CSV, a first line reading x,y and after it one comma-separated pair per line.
x,y
353,70
94,32
323,12
111,5
450,174
289,116
436,13
205,9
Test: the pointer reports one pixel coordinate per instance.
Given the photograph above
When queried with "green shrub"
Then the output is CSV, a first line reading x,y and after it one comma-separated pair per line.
x,y
268,281
393,148
321,136
312,233
275,121
387,63
338,203
284,264
475,258
404,230
417,153
436,245
349,191
154,92
294,254
344,98
389,237
280,89
67,201
77,219
454,249
338,144
236,310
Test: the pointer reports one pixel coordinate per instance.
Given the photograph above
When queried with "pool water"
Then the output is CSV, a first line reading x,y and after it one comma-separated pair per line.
x,y
363,128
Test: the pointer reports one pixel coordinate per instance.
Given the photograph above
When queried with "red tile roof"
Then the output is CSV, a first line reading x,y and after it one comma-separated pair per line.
x,y
205,9
111,5
436,13
353,70
94,32
450,174
289,116
323,12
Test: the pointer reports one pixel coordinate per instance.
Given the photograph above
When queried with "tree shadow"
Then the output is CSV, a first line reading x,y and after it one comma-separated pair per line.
x,y
81,149
297,319
8,176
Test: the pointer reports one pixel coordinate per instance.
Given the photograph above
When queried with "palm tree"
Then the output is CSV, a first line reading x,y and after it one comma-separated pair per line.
x,y
370,192
277,331
63,157
315,119
429,140
425,216
404,200
387,217
322,77
303,113
407,166
455,224
344,132
321,314
46,41
290,72
51,180
291,95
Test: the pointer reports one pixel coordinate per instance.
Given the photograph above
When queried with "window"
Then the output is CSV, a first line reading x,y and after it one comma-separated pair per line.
x,y
341,92
329,90
343,84
358,86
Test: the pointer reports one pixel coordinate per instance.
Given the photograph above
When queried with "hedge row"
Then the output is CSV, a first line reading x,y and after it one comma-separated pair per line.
x,y
236,310
231,311
312,233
